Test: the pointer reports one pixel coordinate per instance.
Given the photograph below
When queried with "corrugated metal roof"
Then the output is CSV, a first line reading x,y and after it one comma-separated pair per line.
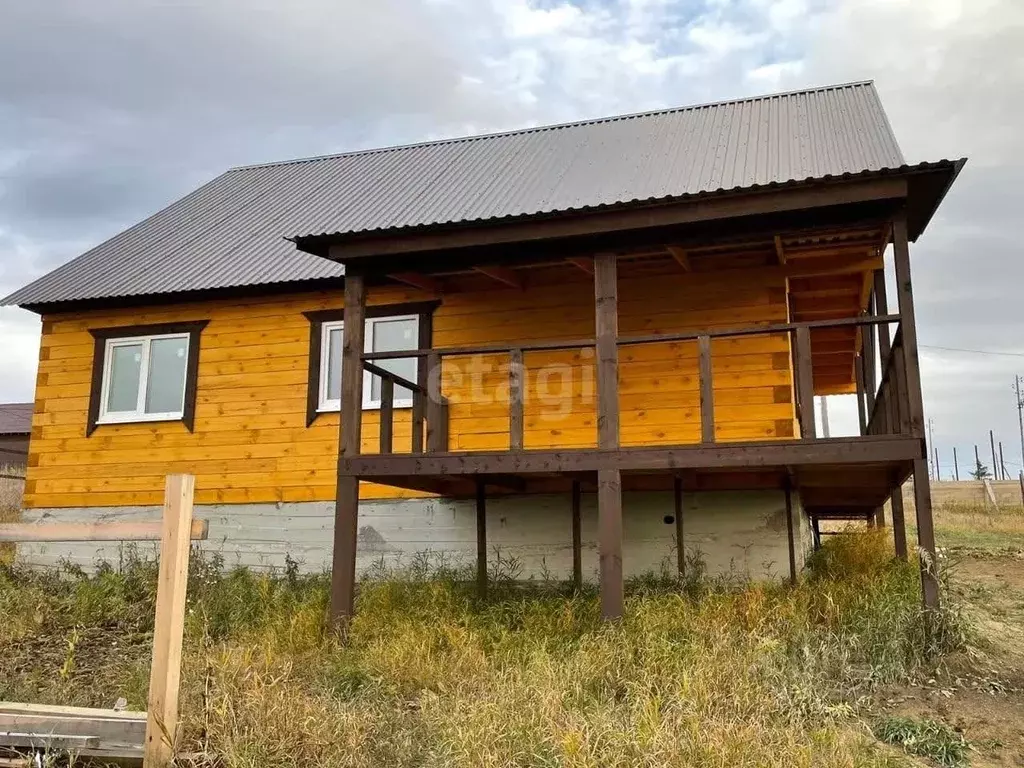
x,y
230,232
15,418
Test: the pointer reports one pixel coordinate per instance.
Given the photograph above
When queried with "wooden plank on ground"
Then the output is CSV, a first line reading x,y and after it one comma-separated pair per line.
x,y
104,729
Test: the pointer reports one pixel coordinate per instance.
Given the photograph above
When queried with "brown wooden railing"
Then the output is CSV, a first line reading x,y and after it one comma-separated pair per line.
x,y
431,408
889,410
425,409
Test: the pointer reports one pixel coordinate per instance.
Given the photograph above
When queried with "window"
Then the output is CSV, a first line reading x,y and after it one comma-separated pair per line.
x,y
383,334
388,329
144,373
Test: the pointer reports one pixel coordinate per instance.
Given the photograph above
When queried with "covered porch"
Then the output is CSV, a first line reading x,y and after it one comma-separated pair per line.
x,y
837,336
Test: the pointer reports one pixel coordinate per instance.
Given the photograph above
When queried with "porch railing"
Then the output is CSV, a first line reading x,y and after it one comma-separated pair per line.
x,y
887,414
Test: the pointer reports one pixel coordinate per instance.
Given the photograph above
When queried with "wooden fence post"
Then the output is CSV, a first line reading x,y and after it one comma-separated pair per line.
x,y
169,624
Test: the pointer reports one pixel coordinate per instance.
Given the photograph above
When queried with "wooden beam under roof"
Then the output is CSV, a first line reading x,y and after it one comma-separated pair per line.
x,y
416,280
680,255
779,250
503,275
585,263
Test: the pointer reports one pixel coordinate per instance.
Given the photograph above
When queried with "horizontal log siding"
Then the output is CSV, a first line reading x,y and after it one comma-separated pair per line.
x,y
659,392
251,445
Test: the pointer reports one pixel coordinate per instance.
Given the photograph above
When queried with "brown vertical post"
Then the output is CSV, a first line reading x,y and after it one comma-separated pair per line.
x,y
577,536
956,466
169,623
677,494
481,538
899,523
609,481
437,438
858,372
880,517
790,531
419,409
868,333
346,506
816,532
995,464
515,399
882,308
915,405
387,415
805,382
707,391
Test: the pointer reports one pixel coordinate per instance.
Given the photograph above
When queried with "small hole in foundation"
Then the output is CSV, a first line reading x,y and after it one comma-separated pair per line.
x,y
669,519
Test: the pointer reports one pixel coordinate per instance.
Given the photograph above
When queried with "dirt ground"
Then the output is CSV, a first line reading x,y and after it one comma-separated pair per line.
x,y
981,696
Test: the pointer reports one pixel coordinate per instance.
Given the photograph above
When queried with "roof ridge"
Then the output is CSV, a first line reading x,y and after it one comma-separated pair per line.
x,y
551,126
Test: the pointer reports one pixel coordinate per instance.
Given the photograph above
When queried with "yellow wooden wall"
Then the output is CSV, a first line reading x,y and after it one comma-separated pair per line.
x,y
250,442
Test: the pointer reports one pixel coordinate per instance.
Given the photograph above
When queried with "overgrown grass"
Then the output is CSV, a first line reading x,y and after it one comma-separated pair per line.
x,y
925,738
705,672
980,527
10,505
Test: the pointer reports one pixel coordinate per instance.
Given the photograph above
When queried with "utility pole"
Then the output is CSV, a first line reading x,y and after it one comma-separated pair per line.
x,y
977,458
932,454
992,442
956,466
824,417
1002,464
1020,416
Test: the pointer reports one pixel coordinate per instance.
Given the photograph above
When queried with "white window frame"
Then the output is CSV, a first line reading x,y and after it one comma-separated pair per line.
x,y
139,414
325,405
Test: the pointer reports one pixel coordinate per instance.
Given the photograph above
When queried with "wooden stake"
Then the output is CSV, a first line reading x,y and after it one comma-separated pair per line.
x,y
169,623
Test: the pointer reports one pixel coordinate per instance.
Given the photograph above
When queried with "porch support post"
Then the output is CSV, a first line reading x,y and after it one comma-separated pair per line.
x,y
790,530
882,308
346,505
816,530
481,538
577,536
899,523
915,405
862,415
677,494
609,481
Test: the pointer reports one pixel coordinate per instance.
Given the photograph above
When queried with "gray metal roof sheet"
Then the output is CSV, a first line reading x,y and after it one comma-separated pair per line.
x,y
231,231
15,418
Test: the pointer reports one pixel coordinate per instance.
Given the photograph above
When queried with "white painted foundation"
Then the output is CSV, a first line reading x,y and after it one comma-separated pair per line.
x,y
742,533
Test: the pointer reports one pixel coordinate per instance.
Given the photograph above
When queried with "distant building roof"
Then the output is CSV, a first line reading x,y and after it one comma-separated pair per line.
x,y
15,418
231,231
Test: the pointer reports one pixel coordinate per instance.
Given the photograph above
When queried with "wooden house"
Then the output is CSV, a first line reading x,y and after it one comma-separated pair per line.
x,y
593,345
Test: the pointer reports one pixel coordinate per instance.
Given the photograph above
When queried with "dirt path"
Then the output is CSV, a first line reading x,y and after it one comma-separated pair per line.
x,y
982,697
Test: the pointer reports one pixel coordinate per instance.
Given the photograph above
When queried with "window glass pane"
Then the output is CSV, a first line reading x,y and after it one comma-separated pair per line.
x,y
333,389
165,390
394,336
123,383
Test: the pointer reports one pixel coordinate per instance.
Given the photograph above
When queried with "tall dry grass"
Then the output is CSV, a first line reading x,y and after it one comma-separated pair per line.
x,y
702,672
11,491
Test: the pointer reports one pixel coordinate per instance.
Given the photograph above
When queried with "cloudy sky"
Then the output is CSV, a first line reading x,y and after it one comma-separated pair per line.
x,y
110,109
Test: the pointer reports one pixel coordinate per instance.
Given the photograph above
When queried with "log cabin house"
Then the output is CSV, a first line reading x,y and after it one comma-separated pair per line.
x,y
594,346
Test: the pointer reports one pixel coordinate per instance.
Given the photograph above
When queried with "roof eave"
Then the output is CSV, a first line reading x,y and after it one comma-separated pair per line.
x,y
319,244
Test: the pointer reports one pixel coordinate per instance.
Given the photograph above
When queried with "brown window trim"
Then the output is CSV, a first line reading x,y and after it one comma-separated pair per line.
x,y
102,335
423,309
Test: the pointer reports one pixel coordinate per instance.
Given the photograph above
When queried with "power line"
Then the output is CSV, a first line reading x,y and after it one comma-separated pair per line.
x,y
972,351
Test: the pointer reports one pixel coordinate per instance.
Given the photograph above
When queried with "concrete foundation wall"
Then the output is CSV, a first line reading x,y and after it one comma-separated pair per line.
x,y
733,532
